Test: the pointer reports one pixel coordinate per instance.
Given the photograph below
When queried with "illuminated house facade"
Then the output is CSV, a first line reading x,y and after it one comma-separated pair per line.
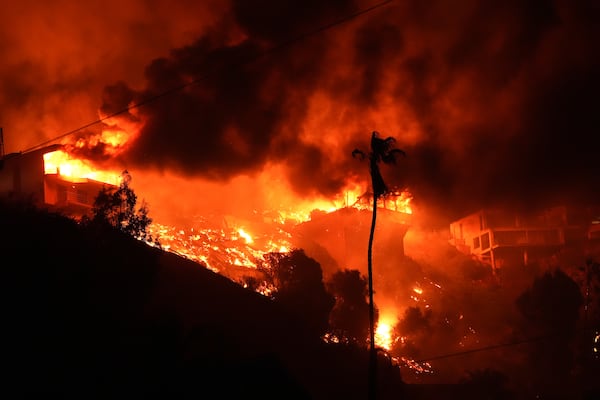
x,y
23,176
498,237
343,235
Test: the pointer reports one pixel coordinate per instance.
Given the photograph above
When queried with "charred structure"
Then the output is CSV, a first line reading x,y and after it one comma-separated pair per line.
x,y
500,237
342,236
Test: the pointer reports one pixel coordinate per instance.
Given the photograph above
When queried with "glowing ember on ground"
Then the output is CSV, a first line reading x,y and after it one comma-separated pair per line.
x,y
331,338
415,366
217,247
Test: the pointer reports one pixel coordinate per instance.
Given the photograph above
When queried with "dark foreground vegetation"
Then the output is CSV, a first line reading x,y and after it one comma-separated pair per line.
x,y
89,311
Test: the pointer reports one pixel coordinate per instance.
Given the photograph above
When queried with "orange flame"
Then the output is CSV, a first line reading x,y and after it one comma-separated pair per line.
x,y
384,331
245,235
233,246
61,163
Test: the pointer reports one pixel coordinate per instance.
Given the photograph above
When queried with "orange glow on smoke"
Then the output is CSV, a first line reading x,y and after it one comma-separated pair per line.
x,y
113,141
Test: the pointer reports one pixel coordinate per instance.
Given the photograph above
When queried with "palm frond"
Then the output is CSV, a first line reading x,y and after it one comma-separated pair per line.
x,y
356,153
382,150
392,155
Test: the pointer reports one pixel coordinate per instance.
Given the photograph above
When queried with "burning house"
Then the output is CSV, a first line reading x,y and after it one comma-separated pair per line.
x,y
342,235
498,237
37,176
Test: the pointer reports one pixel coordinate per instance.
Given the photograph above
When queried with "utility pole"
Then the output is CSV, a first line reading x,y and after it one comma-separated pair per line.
x,y
1,143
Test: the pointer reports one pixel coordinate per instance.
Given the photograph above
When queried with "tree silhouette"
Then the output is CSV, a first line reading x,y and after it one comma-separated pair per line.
x,y
300,288
414,320
551,308
415,328
117,208
347,320
382,150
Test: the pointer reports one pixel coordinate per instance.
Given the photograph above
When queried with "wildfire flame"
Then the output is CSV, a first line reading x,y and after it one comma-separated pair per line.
x,y
223,247
384,331
245,235
234,245
216,245
62,163
70,167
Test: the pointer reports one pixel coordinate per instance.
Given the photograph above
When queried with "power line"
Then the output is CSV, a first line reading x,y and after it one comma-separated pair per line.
x,y
174,89
480,349
497,346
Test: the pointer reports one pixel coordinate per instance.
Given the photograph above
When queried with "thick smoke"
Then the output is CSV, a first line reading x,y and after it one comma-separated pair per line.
x,y
237,106
493,103
57,57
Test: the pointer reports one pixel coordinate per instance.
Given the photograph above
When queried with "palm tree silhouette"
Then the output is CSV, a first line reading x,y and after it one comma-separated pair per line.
x,y
382,150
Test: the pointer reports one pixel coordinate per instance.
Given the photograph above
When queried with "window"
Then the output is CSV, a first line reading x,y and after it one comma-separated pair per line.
x,y
82,197
476,242
485,241
62,194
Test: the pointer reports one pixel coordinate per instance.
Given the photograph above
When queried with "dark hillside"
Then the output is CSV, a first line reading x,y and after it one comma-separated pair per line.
x,y
90,312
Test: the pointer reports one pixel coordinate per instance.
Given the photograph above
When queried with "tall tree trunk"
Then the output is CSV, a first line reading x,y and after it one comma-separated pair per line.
x,y
372,349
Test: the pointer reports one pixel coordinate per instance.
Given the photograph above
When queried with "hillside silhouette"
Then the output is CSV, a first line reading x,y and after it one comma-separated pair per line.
x,y
92,311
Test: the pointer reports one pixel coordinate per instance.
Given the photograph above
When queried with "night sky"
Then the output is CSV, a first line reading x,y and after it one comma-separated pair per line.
x,y
495,103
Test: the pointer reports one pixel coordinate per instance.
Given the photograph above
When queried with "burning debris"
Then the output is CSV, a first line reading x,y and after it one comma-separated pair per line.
x,y
219,245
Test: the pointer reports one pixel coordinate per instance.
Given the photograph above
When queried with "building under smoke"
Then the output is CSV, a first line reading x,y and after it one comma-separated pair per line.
x,y
342,236
500,237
